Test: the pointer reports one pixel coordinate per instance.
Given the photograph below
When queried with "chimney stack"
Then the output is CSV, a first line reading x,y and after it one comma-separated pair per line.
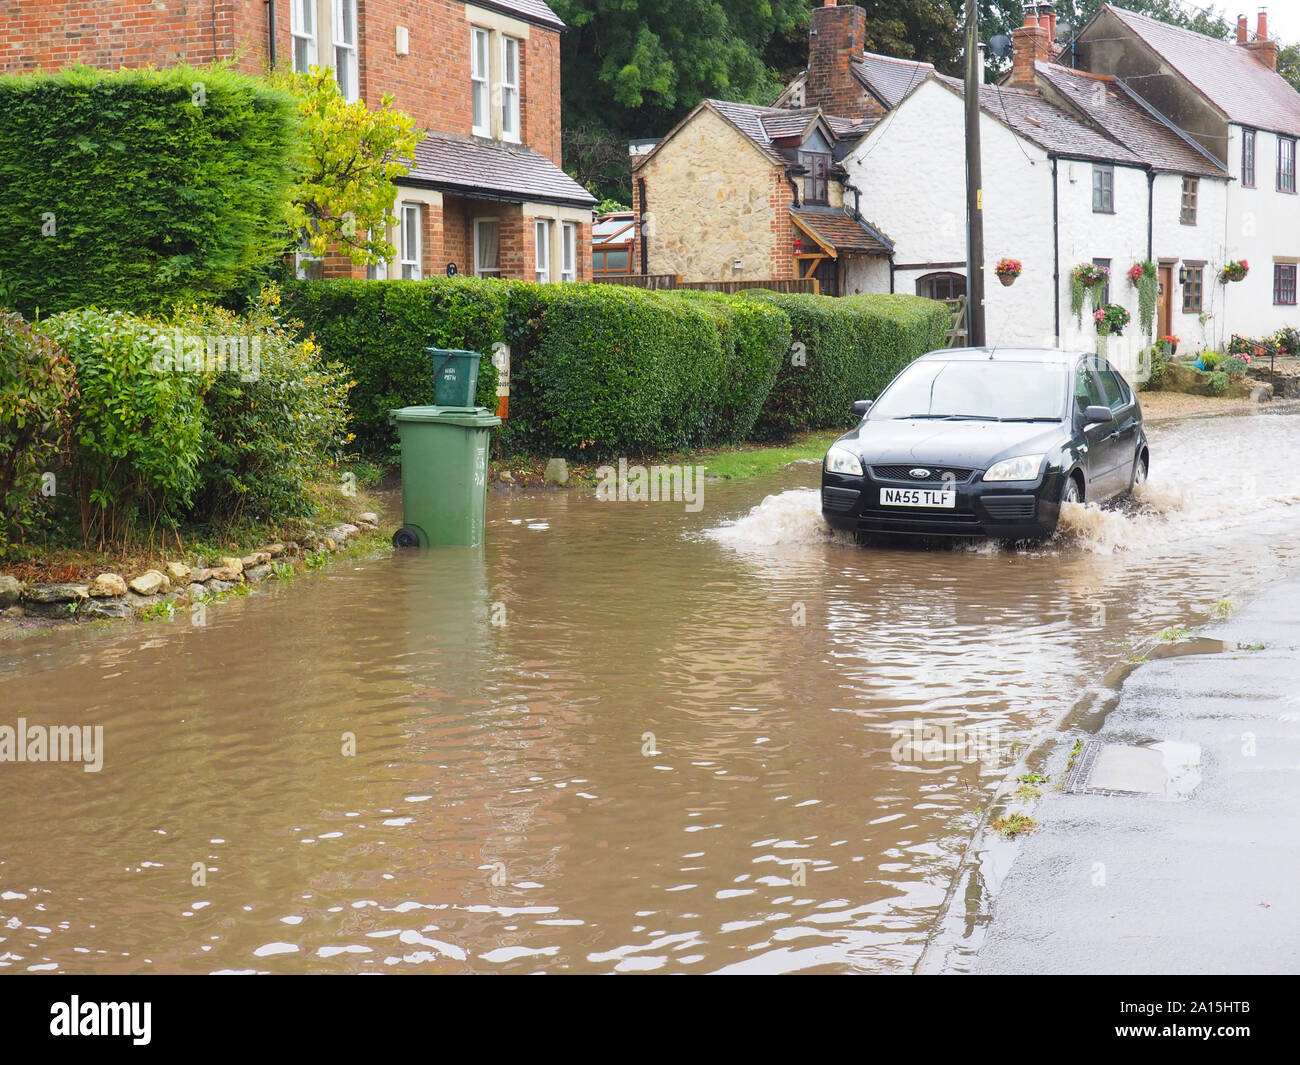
x,y
837,38
1243,29
1261,47
1030,44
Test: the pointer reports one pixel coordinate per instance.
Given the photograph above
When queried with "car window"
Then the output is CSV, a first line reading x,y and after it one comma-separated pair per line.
x,y
1087,393
974,388
1117,394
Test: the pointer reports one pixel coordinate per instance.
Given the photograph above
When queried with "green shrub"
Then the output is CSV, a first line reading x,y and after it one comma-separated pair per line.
x,y
140,187
272,421
603,370
37,386
755,339
844,349
1234,367
1211,359
378,330
136,428
1218,382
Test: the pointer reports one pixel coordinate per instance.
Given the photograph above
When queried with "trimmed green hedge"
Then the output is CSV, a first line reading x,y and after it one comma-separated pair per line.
x,y
606,370
139,188
845,349
378,331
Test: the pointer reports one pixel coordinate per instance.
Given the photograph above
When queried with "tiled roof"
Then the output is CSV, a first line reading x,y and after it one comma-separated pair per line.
x,y
1042,122
1227,74
850,127
500,171
838,229
889,78
1130,121
787,123
528,10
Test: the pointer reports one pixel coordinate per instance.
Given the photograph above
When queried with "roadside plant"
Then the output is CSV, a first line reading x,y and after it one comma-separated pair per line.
x,y
37,388
266,437
1218,382
1086,280
135,429
1234,366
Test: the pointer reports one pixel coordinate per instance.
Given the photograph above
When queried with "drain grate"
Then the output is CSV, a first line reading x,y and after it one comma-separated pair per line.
x,y
1166,770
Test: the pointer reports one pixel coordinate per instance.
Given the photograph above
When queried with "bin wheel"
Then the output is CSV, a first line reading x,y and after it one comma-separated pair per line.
x,y
405,537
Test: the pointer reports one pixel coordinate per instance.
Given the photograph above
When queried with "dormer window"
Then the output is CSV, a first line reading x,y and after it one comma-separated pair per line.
x,y
817,167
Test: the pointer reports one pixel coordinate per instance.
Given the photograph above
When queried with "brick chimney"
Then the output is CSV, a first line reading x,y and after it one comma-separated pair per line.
x,y
1261,47
837,36
1243,29
1030,44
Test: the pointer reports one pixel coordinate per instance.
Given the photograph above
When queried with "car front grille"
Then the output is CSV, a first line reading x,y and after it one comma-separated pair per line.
x,y
955,474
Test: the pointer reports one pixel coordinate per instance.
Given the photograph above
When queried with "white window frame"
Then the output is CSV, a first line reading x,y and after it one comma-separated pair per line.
x,y
568,251
480,61
302,259
377,271
496,271
412,233
306,33
542,250
346,71
510,89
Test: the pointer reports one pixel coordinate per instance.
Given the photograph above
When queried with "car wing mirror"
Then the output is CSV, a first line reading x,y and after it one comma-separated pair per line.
x,y
1097,414
861,407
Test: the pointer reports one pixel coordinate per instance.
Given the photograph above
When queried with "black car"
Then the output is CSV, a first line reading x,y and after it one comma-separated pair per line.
x,y
979,442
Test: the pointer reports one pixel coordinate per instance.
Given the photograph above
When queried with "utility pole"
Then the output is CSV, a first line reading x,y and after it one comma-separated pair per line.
x,y
974,183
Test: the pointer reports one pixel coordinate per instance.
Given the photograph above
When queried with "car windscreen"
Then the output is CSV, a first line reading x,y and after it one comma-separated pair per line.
x,y
976,388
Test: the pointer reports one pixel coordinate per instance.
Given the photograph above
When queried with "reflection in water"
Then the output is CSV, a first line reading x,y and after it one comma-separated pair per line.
x,y
620,737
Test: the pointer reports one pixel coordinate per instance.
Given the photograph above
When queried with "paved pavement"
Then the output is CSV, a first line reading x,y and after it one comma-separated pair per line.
x,y
1210,883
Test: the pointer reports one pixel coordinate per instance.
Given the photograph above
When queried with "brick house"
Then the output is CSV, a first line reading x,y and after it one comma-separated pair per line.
x,y
487,194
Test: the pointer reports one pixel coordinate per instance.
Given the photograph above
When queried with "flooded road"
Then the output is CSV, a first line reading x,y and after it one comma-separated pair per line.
x,y
621,737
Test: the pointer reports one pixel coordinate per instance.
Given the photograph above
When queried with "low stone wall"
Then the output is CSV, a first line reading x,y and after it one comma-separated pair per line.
x,y
110,595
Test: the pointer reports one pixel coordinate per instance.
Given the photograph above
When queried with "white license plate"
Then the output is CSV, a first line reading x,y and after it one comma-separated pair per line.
x,y
918,497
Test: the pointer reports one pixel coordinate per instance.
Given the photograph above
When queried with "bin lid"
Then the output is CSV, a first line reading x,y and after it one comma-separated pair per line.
x,y
453,351
478,417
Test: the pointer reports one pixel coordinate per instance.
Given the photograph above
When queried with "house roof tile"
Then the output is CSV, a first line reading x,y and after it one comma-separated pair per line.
x,y
1044,123
1115,108
1227,74
528,10
889,78
470,166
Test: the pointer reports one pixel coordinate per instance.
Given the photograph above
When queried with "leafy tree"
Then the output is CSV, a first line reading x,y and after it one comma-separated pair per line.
x,y
1288,64
350,156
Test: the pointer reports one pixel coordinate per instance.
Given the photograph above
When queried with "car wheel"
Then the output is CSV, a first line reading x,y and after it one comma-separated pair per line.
x,y
1139,472
1072,493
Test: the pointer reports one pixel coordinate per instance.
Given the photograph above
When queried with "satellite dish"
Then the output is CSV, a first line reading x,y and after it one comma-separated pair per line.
x,y
1000,46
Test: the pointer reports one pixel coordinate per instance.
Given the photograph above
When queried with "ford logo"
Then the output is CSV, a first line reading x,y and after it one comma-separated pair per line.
x,y
919,474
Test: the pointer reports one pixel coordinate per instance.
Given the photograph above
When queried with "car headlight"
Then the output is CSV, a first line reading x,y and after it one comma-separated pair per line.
x,y
1024,468
842,460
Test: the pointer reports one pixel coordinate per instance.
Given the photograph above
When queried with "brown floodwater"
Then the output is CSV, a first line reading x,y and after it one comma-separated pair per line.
x,y
620,737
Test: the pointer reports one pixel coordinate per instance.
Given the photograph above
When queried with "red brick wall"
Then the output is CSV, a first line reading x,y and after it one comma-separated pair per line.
x,y
431,83
837,37
781,196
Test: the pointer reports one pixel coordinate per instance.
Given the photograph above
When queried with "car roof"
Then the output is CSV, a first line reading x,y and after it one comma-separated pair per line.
x,y
986,354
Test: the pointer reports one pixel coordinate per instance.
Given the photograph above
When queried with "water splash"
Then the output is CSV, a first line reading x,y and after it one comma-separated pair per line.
x,y
793,517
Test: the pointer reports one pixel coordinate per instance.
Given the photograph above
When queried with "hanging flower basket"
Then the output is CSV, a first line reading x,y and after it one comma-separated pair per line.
x,y
1110,319
1008,270
1234,271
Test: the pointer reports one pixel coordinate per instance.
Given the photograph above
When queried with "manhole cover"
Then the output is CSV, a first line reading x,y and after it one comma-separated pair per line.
x,y
1167,770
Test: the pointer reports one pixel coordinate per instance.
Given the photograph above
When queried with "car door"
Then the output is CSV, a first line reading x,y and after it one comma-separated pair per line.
x,y
1119,398
1099,459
